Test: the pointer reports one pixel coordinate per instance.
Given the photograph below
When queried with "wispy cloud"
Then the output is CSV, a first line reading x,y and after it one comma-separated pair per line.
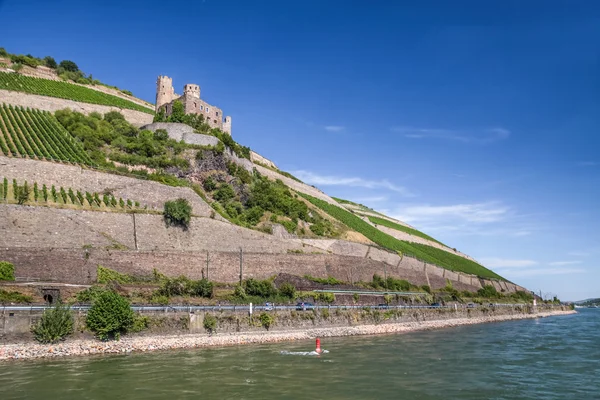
x,y
495,262
482,136
334,128
579,253
511,273
587,163
563,263
474,212
369,200
331,180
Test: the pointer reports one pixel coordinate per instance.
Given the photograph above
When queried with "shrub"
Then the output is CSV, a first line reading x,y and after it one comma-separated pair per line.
x,y
14,297
240,292
201,288
255,287
68,65
7,271
426,288
210,323
330,280
55,325
109,316
45,192
90,294
488,291
36,192
182,286
54,194
224,193
209,184
140,323
288,290
266,320
178,212
106,275
325,297
22,194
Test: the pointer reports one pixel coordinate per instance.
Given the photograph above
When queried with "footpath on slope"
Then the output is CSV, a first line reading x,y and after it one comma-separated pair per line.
x,y
153,343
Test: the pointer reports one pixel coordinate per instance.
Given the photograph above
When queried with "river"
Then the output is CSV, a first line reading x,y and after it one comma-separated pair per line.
x,y
548,358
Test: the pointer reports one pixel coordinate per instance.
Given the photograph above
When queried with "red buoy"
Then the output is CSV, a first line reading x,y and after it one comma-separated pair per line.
x,y
318,349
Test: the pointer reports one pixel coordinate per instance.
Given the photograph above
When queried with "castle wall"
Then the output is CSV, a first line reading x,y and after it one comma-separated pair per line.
x,y
183,132
53,104
257,158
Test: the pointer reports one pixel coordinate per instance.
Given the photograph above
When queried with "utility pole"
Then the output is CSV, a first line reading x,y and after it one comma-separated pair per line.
x,y
241,265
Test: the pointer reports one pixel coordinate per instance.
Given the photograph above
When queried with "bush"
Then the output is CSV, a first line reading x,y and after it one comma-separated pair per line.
x,y
266,320
55,325
68,65
140,323
106,275
7,271
488,291
182,286
109,316
255,287
178,212
288,290
90,294
325,297
14,297
210,323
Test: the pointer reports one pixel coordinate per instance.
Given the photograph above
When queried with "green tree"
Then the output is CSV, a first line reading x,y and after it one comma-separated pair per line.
x,y
178,113
55,325
50,62
69,66
288,290
110,316
178,213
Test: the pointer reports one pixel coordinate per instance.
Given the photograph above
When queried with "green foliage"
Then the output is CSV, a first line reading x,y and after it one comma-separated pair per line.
x,y
325,297
488,291
288,290
140,323
426,288
36,192
50,62
7,297
109,316
210,323
68,65
401,228
45,192
426,253
255,287
178,212
182,286
390,283
330,280
240,292
55,325
7,271
177,113
209,184
22,194
520,295
356,297
276,198
64,90
5,186
224,193
106,275
90,294
266,320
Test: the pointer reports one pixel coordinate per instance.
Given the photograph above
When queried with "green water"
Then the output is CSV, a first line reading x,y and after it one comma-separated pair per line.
x,y
549,358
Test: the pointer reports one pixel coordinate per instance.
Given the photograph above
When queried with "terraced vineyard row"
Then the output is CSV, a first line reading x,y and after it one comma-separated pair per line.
x,y
37,134
64,90
426,253
401,228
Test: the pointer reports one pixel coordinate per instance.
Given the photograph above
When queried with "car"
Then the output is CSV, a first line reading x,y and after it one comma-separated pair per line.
x,y
436,305
471,305
268,306
383,306
305,306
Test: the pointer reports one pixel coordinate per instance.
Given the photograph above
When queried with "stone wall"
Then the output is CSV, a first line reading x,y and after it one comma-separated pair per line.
x,y
53,104
151,193
258,159
183,132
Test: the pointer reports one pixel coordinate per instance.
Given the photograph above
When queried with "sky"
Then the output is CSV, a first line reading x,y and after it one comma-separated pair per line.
x,y
476,122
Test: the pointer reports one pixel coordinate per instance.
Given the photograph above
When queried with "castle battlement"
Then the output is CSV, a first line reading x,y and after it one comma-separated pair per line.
x,y
192,103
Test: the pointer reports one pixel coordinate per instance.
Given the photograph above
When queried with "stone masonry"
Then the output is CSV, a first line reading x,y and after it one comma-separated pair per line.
x,y
192,103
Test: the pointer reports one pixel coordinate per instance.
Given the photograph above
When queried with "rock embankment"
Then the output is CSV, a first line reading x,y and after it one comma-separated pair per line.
x,y
144,344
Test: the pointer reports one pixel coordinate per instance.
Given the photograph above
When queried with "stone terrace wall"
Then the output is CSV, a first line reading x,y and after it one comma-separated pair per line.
x,y
257,158
53,104
183,132
151,193
298,186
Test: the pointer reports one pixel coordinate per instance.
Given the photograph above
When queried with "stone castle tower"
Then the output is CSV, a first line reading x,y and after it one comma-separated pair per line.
x,y
192,104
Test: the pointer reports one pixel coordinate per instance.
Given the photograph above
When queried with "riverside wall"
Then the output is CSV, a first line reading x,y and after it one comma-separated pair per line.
x,y
53,104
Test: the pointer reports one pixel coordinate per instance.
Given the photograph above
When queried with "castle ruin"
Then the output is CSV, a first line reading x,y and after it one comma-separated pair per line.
x,y
192,104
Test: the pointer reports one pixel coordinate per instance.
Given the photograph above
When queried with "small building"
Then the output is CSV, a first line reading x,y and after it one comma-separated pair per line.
x,y
192,103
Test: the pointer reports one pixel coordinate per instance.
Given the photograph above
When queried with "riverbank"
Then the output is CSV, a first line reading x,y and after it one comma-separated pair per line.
x,y
154,343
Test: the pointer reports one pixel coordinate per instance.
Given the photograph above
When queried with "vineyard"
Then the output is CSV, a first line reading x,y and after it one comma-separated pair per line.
x,y
37,134
425,253
64,90
401,228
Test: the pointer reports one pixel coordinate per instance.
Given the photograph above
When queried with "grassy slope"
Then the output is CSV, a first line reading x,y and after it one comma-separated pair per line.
x,y
64,90
426,253
402,228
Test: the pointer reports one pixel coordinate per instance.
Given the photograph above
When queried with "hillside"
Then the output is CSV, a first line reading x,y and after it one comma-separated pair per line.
x,y
283,224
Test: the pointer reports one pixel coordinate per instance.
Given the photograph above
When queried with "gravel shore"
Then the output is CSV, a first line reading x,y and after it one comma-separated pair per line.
x,y
145,344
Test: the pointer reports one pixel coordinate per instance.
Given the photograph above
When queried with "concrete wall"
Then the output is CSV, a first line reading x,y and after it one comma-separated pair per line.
x,y
53,104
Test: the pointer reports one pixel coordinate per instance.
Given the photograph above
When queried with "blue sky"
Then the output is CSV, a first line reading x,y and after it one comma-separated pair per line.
x,y
476,122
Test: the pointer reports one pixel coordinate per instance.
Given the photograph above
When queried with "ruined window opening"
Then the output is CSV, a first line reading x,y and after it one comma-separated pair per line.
x,y
215,121
217,113
48,298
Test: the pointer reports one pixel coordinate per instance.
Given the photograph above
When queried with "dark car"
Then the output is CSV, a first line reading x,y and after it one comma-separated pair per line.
x,y
305,306
383,306
436,305
471,305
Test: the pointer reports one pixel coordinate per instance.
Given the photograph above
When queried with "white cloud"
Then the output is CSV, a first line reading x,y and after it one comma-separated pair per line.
x,y
369,200
330,180
475,212
495,262
482,136
562,263
511,273
334,128
579,253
